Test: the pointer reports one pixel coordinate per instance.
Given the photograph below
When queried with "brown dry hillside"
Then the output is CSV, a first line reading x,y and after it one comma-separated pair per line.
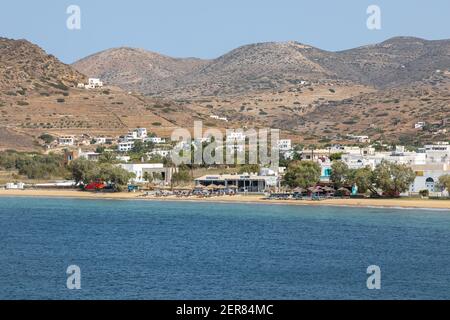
x,y
269,66
388,115
137,69
24,68
287,86
38,95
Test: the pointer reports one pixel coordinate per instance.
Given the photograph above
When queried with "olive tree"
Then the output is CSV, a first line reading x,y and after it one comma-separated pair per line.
x,y
393,178
302,174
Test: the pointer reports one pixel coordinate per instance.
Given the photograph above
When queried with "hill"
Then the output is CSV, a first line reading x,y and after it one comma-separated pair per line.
x,y
313,96
24,67
39,94
269,66
137,69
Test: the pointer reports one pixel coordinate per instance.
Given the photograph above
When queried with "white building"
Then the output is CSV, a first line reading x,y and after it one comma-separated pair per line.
x,y
438,152
427,177
242,183
125,146
419,125
94,83
66,141
156,140
160,152
15,186
360,139
136,134
235,136
99,140
285,145
151,168
91,156
234,148
357,161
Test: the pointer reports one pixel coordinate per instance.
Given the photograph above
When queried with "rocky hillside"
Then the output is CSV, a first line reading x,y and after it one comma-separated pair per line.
x,y
397,61
137,69
24,67
296,88
38,95
269,66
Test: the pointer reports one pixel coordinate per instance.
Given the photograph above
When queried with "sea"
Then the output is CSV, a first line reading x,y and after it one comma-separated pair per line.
x,y
74,249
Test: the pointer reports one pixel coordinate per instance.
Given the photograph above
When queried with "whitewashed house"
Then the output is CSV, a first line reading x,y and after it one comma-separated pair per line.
x,y
235,136
439,152
419,125
15,186
156,140
160,152
141,169
66,141
125,146
427,177
285,145
136,134
94,83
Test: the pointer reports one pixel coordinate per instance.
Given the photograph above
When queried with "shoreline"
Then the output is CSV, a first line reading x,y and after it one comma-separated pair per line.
x,y
239,199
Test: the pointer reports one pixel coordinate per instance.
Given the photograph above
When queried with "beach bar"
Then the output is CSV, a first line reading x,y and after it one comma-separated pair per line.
x,y
242,183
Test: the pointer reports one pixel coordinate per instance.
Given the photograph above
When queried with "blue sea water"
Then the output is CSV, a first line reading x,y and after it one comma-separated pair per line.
x,y
178,250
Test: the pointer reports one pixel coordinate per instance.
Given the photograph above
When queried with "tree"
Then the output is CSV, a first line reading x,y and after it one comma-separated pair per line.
x,y
88,171
339,172
47,138
81,170
362,177
100,149
138,147
181,176
302,174
107,157
444,182
111,174
336,156
148,177
141,147
38,166
393,178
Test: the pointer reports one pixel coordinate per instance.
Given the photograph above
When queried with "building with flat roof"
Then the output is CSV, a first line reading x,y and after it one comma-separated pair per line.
x,y
125,146
66,141
241,182
140,169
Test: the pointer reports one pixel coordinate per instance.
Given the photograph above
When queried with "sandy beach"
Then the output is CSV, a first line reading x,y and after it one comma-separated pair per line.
x,y
400,203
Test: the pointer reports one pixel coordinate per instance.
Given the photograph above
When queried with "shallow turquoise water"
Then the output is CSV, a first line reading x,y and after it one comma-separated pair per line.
x,y
165,250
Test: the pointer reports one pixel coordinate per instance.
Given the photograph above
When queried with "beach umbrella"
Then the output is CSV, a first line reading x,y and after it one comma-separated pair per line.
x,y
232,187
315,189
299,190
344,190
183,188
200,186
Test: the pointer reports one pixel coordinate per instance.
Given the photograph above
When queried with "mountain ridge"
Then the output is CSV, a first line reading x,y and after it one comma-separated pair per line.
x,y
273,65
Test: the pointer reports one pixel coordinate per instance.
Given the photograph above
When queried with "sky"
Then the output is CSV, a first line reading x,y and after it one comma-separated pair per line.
x,y
210,28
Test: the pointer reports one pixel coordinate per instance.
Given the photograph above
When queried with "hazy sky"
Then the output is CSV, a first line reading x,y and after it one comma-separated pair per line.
x,y
210,28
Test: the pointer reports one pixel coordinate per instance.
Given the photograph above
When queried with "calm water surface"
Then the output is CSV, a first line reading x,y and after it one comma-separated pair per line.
x,y
173,250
